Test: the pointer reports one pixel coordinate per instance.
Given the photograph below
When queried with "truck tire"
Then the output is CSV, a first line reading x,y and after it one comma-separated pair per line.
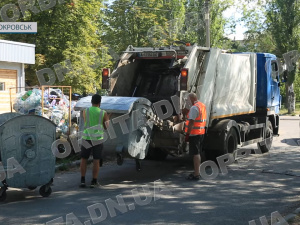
x,y
156,154
231,141
211,155
266,146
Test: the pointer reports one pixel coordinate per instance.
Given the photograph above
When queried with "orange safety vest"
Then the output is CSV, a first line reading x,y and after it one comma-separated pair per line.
x,y
200,121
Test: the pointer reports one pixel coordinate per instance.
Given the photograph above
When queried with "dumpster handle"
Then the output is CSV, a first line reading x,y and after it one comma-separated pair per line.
x,y
27,127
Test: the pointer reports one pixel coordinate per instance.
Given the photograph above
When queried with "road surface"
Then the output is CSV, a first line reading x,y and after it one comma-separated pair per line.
x,y
251,189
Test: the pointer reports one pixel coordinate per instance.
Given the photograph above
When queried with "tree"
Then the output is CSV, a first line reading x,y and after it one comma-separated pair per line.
x,y
273,26
161,22
68,31
195,25
142,22
257,38
297,83
283,20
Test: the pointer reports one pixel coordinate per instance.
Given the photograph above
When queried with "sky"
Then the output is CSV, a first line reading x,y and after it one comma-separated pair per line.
x,y
240,28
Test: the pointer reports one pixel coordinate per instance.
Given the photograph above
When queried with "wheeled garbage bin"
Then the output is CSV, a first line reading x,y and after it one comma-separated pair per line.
x,y
25,153
133,141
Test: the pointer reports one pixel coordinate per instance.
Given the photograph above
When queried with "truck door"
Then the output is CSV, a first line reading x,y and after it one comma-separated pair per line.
x,y
275,86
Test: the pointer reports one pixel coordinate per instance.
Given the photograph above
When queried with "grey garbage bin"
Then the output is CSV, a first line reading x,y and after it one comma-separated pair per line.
x,y
26,140
135,142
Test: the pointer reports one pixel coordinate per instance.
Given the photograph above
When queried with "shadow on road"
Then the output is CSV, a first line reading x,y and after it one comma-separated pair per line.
x,y
291,141
231,199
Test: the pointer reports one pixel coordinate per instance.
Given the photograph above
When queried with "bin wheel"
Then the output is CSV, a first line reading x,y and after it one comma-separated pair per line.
x,y
120,159
32,188
3,196
44,191
138,165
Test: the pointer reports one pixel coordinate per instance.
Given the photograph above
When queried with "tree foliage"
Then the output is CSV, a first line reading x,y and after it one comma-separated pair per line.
x,y
83,31
67,31
141,22
161,22
194,27
273,26
283,20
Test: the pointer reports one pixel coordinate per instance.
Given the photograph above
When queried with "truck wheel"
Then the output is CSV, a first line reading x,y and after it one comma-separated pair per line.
x,y
266,146
211,154
156,154
231,141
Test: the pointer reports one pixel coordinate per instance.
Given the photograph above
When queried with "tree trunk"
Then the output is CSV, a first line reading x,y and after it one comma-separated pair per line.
x,y
290,98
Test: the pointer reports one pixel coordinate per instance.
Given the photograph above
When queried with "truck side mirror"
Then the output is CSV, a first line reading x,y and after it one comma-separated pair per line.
x,y
105,78
279,84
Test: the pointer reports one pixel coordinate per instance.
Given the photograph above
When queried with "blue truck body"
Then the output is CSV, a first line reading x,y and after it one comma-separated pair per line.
x,y
268,83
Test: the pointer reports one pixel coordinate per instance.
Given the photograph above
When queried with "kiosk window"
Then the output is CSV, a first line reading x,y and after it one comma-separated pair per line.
x,y
2,86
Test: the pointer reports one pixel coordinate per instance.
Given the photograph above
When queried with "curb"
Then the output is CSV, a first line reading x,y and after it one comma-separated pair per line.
x,y
291,216
295,118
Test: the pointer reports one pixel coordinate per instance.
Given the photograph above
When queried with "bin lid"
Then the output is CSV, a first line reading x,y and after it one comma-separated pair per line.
x,y
113,104
7,116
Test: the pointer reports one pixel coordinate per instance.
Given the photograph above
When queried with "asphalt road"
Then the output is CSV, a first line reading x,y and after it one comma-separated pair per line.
x,y
254,187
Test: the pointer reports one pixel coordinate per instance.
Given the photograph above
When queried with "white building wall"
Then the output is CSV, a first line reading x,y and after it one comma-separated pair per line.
x,y
17,52
19,68
14,56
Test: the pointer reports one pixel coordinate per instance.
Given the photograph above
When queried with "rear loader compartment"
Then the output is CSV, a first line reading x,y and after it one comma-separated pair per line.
x,y
153,79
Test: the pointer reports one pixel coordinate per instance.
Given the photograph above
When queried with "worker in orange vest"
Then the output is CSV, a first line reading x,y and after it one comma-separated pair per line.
x,y
194,133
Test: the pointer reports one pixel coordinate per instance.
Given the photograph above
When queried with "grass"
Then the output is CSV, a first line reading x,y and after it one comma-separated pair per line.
x,y
64,163
284,111
295,221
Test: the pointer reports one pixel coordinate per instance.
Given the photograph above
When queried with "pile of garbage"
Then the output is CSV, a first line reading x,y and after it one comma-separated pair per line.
x,y
56,106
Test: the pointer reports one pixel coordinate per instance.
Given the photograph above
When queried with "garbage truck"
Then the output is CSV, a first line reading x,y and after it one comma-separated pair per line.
x,y
241,92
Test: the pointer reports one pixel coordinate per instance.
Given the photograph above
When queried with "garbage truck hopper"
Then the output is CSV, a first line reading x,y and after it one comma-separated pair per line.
x,y
130,125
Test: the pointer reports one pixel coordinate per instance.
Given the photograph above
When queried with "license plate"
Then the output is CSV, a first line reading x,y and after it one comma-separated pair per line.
x,y
149,54
181,52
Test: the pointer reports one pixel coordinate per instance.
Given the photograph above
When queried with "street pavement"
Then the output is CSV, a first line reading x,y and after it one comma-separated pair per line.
x,y
254,187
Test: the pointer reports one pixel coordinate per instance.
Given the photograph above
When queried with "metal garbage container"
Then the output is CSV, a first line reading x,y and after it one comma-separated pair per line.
x,y
135,142
26,141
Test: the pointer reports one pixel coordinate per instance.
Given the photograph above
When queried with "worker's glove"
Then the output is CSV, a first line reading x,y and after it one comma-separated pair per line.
x,y
187,136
